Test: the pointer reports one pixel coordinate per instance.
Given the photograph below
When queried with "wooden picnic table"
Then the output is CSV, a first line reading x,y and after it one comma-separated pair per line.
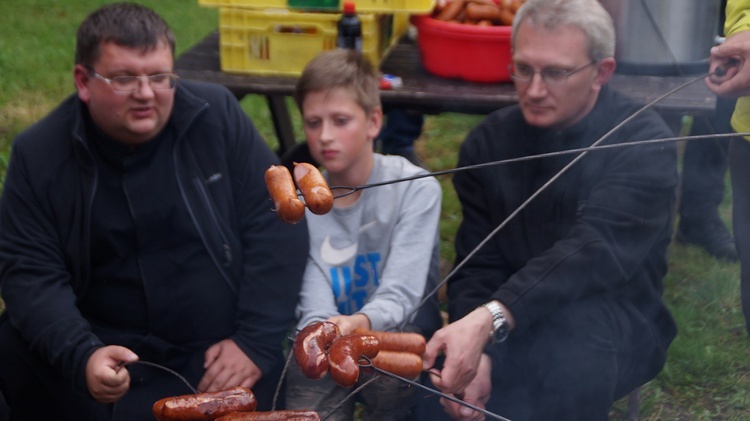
x,y
425,92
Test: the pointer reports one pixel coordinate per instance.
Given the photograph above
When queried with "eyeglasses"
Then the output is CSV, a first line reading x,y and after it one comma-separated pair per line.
x,y
129,84
550,75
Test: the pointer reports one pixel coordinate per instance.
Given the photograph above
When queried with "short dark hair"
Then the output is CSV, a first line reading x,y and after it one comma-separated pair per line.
x,y
125,24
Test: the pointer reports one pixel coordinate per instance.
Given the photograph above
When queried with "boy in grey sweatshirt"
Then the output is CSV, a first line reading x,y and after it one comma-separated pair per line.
x,y
375,255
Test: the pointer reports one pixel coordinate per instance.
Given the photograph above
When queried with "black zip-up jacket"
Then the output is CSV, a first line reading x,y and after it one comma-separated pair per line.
x,y
220,160
602,228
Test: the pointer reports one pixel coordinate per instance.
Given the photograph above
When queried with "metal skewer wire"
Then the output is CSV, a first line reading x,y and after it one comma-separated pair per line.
x,y
159,366
369,365
353,189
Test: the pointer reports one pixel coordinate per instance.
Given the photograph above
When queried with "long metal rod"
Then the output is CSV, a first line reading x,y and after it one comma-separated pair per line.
x,y
433,391
353,189
161,367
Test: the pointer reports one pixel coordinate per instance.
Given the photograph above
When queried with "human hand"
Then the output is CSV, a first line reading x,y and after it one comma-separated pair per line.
x,y
347,324
732,56
476,393
106,379
462,342
228,366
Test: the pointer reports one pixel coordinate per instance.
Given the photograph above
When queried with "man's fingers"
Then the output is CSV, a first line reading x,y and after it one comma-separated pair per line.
x,y
211,355
115,378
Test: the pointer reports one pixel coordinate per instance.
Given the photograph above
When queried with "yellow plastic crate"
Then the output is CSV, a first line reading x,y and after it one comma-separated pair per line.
x,y
282,42
368,6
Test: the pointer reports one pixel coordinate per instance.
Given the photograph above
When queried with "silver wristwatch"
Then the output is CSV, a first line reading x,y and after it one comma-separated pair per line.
x,y
500,329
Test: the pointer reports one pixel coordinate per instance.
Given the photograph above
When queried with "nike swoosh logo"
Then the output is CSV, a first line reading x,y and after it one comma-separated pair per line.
x,y
336,257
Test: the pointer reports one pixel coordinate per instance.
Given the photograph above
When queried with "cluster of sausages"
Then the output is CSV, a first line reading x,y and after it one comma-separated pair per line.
x,y
477,12
235,404
319,348
283,192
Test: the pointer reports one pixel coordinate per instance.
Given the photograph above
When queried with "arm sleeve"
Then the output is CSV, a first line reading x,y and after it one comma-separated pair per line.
x,y
316,302
478,270
403,277
35,280
625,216
737,16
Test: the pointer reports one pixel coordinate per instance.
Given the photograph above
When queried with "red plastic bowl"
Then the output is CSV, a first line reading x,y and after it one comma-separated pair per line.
x,y
463,51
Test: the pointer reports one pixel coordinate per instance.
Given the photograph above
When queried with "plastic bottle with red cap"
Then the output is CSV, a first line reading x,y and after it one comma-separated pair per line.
x,y
349,28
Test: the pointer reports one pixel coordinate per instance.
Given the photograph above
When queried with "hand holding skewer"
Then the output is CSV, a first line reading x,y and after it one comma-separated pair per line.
x,y
729,76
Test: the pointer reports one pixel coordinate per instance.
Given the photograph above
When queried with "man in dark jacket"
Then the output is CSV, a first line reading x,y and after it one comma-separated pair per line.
x,y
560,312
135,226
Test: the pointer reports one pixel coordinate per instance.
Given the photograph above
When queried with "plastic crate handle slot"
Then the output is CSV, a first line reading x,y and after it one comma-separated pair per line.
x,y
296,29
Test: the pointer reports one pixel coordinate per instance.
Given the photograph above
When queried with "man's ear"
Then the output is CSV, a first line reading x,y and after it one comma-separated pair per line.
x,y
82,79
605,68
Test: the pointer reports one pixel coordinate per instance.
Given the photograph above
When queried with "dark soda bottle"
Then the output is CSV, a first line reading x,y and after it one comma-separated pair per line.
x,y
349,29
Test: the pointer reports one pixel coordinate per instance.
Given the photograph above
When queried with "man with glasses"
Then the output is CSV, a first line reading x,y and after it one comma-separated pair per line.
x,y
556,308
136,227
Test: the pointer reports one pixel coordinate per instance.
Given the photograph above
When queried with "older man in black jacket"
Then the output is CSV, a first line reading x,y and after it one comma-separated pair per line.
x,y
560,313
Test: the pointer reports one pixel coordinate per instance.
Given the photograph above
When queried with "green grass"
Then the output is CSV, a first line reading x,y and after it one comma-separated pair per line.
x,y
707,376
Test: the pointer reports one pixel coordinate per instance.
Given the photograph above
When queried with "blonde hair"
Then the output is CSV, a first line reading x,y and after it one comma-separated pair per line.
x,y
341,68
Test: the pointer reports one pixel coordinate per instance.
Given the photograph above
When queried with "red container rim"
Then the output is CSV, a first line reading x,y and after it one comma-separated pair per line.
x,y
455,28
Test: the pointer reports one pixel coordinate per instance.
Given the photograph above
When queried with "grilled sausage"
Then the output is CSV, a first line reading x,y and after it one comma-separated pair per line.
x,y
281,188
398,341
404,364
344,354
310,347
312,184
204,406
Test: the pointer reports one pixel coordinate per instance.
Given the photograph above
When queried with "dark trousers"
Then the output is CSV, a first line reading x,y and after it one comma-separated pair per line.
x,y
400,131
35,391
572,365
739,157
704,166
4,410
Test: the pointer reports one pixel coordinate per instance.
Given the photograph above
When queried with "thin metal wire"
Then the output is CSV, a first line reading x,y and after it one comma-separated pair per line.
x,y
281,379
349,396
369,365
538,156
159,366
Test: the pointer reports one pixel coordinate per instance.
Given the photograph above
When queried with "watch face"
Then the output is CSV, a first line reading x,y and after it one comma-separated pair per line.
x,y
501,333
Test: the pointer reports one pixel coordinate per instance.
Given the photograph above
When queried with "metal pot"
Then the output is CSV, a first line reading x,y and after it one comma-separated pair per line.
x,y
664,36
